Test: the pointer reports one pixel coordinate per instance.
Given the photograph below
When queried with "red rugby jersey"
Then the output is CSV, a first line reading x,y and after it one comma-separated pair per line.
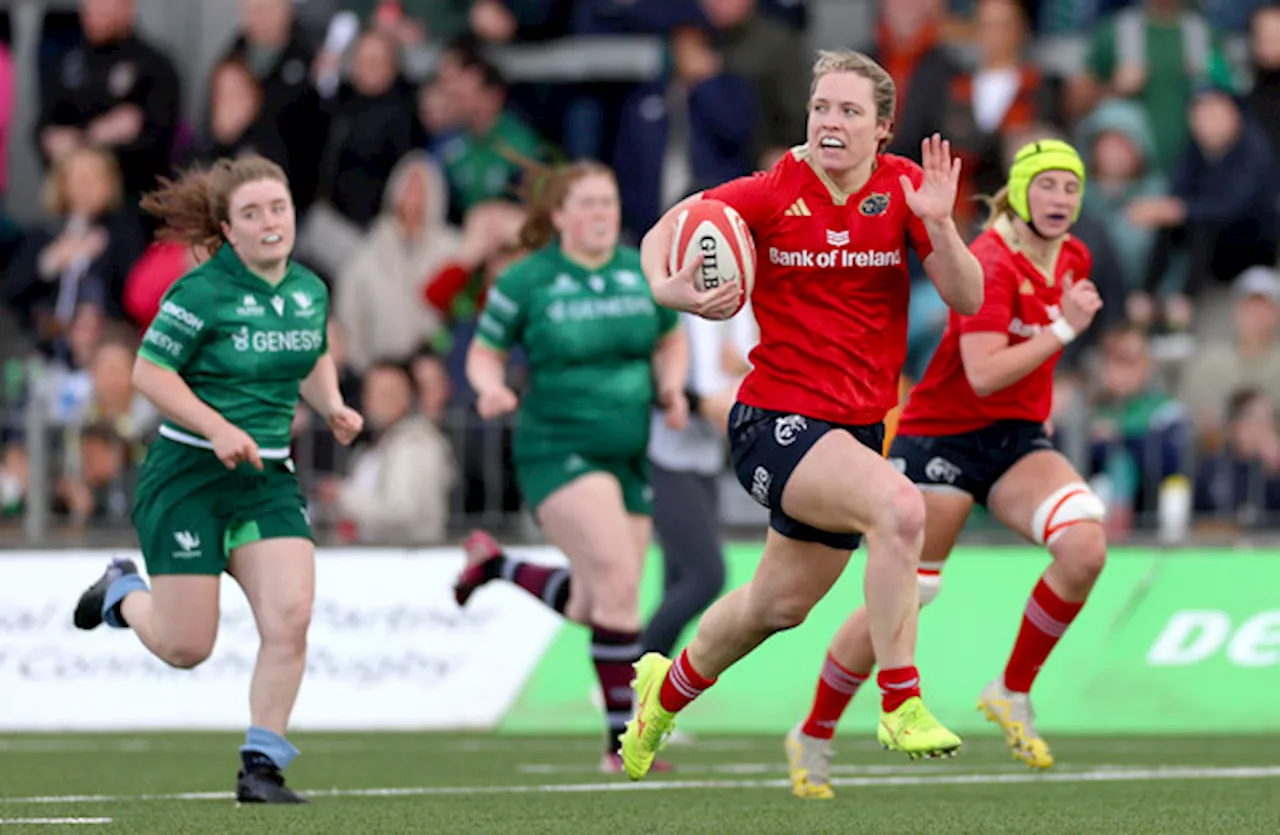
x,y
1021,300
831,289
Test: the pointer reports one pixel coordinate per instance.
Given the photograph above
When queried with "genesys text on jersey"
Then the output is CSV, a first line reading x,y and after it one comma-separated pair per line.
x,y
617,307
274,342
834,258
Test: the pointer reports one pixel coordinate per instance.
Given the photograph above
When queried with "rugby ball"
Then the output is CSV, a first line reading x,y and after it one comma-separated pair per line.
x,y
714,230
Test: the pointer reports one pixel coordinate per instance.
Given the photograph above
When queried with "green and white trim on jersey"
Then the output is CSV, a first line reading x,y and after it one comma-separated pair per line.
x,y
180,437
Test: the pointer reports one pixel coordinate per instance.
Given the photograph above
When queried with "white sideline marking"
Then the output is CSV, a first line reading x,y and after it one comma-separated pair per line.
x,y
536,746
72,746
51,821
1097,775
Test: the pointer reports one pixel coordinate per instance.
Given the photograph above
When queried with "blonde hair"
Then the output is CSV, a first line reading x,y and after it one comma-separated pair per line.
x,y
55,185
997,204
544,191
194,207
885,91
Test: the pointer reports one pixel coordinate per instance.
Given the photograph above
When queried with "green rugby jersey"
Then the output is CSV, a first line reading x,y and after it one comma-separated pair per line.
x,y
589,336
241,344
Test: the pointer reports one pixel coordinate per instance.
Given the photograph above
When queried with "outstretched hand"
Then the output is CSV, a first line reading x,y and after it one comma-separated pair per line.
x,y
935,199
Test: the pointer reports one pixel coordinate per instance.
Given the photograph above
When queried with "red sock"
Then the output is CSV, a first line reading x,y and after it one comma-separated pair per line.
x,y
682,684
836,687
1046,618
896,686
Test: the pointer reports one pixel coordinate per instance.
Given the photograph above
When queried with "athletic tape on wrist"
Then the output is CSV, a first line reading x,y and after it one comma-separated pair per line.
x,y
1061,329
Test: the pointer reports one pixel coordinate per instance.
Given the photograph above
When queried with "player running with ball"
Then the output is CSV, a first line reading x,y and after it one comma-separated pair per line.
x,y
831,221
973,430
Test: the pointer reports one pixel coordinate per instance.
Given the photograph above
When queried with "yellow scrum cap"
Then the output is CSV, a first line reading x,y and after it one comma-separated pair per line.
x,y
1035,158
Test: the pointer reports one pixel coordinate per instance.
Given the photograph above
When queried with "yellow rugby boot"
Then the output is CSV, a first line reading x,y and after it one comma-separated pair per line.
x,y
647,732
1015,716
914,731
809,765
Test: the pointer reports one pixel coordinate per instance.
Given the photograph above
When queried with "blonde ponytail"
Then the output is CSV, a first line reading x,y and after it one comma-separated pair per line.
x,y
997,205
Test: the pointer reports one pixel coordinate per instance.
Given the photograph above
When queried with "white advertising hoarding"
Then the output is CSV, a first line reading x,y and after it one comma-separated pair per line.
x,y
388,649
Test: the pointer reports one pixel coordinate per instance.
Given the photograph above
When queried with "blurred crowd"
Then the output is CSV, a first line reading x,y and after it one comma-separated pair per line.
x,y
406,182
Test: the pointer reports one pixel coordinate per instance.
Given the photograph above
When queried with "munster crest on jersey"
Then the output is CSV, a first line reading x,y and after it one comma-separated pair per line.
x,y
874,204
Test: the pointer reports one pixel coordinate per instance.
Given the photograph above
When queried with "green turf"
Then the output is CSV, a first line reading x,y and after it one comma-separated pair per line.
x,y
533,784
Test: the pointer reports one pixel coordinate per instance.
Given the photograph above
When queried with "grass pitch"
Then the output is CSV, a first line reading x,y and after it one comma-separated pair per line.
x,y
480,783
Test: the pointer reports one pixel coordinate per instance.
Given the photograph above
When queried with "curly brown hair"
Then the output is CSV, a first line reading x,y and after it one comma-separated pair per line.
x,y
194,206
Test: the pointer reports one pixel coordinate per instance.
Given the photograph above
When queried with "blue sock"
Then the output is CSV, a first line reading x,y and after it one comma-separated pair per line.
x,y
123,585
260,742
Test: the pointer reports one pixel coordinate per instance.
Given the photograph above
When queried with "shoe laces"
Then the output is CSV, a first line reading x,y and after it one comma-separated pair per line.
x,y
658,732
917,714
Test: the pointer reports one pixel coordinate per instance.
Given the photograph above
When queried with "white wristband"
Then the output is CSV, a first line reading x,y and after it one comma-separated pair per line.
x,y
1065,333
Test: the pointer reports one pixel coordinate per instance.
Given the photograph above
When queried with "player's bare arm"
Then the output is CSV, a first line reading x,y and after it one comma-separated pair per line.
x,y
174,398
677,292
320,388
320,391
992,364
670,370
487,373
951,267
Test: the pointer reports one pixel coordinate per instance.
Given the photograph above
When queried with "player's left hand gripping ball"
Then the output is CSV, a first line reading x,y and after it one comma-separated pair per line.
x,y
936,198
713,250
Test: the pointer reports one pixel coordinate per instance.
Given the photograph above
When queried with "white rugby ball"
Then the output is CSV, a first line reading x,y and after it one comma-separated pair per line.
x,y
715,231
